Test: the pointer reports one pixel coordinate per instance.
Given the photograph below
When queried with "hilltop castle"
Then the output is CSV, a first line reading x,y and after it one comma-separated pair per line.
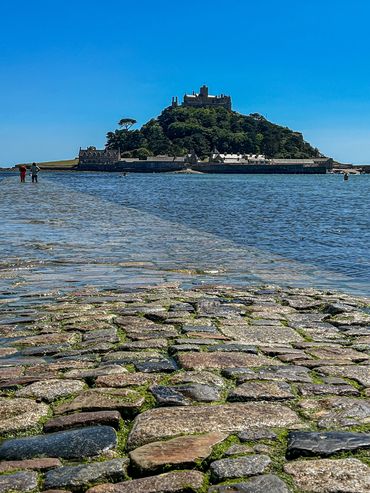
x,y
203,99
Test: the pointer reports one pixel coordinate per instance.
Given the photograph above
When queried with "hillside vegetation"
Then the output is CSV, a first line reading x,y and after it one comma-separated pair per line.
x,y
178,131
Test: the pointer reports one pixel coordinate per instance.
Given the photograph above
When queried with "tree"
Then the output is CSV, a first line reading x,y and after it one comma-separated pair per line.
x,y
126,123
181,129
141,153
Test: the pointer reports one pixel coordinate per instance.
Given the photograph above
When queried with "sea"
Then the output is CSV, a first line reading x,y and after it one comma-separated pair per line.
x,y
106,230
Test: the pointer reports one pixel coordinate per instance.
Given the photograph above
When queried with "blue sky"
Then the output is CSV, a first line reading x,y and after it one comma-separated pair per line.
x,y
69,70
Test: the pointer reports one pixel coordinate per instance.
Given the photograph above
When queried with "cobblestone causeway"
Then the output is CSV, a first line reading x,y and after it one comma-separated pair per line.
x,y
162,389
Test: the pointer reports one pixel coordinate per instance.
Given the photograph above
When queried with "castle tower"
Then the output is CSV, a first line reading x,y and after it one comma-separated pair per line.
x,y
204,99
204,91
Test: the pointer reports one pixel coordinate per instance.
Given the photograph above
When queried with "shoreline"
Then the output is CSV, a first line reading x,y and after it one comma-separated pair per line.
x,y
165,386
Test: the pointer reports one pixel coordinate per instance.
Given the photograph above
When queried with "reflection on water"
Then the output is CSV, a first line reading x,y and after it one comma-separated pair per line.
x,y
105,229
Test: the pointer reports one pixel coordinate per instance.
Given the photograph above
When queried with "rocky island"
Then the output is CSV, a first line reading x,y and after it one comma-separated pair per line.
x,y
204,134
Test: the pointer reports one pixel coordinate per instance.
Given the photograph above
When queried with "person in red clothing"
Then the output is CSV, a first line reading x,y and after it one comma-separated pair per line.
x,y
22,173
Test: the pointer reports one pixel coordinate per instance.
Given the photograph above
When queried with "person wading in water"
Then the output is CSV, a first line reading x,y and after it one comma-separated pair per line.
x,y
34,171
22,173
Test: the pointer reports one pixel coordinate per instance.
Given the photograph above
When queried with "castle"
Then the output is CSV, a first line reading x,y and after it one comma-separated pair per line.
x,y
203,99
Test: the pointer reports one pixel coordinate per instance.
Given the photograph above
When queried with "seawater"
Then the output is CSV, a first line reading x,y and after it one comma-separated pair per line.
x,y
103,229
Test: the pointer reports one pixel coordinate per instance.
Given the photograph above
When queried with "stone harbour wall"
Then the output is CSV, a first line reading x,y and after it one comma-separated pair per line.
x,y
137,166
170,166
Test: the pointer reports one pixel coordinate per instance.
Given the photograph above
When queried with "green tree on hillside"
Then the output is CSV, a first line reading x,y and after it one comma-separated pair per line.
x,y
126,123
179,130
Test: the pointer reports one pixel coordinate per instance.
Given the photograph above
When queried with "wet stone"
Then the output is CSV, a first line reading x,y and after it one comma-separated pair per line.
x,y
334,380
171,482
94,347
29,361
199,328
183,347
242,466
142,310
161,423
6,373
238,450
56,491
280,350
123,400
315,363
144,344
20,481
20,414
356,331
253,391
106,335
359,373
156,366
338,353
182,307
305,443
78,420
322,389
61,365
231,347
261,448
73,444
96,372
303,303
126,380
36,464
330,476
131,357
260,484
45,350
181,394
352,318
213,308
181,451
337,411
201,338
50,390
7,351
201,377
275,373
337,308
199,392
265,322
152,333
85,475
255,334
216,360
199,341
254,434
14,383
49,339
169,396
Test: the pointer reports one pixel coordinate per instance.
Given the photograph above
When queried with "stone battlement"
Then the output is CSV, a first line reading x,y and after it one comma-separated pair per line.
x,y
204,99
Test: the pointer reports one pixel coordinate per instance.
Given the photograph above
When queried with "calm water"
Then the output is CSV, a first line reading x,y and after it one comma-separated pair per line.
x,y
74,229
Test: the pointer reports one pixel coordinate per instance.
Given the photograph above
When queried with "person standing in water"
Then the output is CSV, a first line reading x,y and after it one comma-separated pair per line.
x,y
22,172
34,171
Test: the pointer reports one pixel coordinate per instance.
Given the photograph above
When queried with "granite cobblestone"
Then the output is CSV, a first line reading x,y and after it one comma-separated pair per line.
x,y
266,386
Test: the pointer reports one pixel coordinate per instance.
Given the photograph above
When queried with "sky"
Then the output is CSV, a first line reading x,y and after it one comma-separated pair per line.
x,y
69,70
